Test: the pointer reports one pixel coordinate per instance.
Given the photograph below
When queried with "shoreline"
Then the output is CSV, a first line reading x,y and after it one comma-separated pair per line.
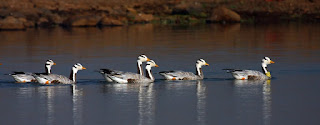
x,y
23,14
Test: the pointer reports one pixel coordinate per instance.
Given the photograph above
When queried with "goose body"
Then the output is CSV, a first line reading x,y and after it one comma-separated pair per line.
x,y
22,77
253,74
182,75
141,58
129,77
179,75
249,74
59,79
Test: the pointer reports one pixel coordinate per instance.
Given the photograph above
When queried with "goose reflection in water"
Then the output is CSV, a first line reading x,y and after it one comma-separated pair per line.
x,y
42,102
201,102
267,102
147,104
200,91
248,89
145,94
77,104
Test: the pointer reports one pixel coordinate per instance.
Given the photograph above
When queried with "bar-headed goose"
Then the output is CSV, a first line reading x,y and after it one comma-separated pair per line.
x,y
142,58
55,78
22,77
129,77
253,74
181,75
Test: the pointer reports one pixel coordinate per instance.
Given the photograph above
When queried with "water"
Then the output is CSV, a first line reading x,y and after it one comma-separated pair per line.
x,y
291,97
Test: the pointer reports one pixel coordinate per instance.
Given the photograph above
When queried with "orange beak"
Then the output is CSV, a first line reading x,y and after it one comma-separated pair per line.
x,y
271,61
206,64
54,63
148,59
84,68
156,65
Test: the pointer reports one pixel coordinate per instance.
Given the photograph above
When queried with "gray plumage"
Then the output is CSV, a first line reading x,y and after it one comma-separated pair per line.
x,y
249,74
59,79
253,74
23,77
182,75
106,73
129,77
53,79
179,75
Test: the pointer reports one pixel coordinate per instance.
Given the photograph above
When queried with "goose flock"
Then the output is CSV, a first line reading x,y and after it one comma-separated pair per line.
x,y
117,76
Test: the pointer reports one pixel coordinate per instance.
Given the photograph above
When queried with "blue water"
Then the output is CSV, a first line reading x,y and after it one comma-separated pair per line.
x,y
290,97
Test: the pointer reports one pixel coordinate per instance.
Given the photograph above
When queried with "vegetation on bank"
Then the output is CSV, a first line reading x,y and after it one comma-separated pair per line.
x,y
22,14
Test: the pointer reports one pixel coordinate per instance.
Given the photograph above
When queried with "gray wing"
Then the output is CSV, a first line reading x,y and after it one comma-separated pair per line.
x,y
23,77
129,77
106,73
178,75
55,78
250,74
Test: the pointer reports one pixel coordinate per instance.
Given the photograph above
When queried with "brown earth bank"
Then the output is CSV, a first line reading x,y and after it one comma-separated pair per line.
x,y
22,14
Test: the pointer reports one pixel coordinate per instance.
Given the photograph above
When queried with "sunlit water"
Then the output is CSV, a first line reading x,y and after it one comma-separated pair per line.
x,y
291,97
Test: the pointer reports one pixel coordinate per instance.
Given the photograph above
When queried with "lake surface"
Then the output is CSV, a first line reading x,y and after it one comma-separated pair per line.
x,y
291,97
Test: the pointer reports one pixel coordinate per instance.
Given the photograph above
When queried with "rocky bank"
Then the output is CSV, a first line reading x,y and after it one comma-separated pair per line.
x,y
23,14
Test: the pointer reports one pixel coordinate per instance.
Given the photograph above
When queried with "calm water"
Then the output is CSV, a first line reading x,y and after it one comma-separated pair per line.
x,y
291,97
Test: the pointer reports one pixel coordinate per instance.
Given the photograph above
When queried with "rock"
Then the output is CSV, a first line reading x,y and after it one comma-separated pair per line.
x,y
11,23
55,18
43,22
222,14
107,21
29,24
26,22
82,21
143,18
131,11
180,9
118,10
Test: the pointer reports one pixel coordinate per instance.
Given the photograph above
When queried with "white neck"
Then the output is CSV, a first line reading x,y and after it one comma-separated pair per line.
x,y
48,69
198,69
149,73
140,71
264,67
73,74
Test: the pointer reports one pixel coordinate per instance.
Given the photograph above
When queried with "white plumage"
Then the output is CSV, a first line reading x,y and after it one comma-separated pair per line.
x,y
253,74
60,79
129,77
141,58
181,75
22,77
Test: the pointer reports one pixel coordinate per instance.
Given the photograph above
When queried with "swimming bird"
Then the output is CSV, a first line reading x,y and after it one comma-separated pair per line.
x,y
253,74
182,75
22,77
55,78
141,58
129,77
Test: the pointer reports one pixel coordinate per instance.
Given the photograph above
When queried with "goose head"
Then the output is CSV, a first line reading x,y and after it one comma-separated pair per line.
x,y
76,67
143,58
48,65
50,62
266,61
201,62
150,64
